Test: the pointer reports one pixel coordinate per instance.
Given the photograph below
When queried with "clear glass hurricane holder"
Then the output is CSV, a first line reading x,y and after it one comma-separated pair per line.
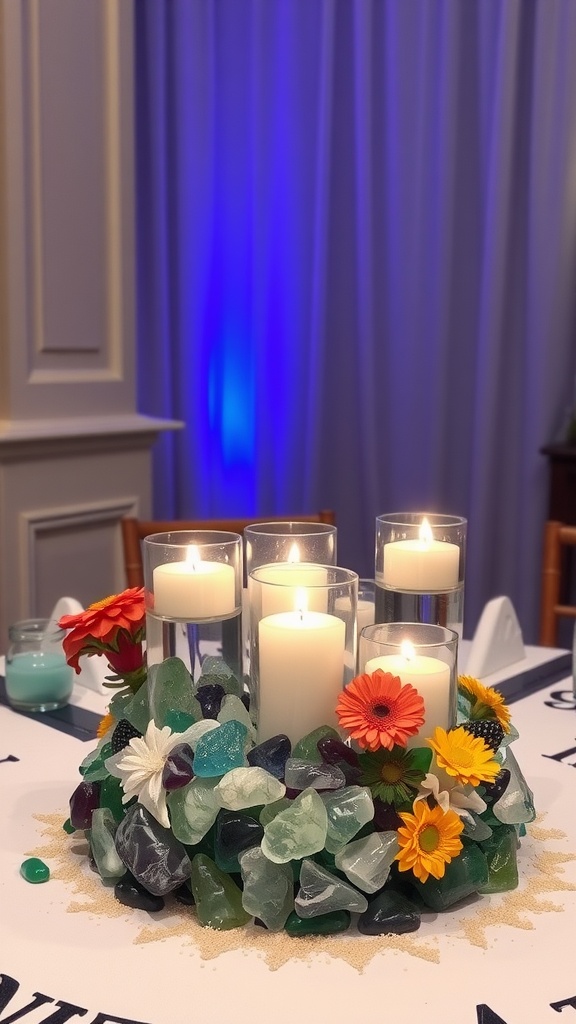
x,y
303,647
289,542
421,654
419,568
193,591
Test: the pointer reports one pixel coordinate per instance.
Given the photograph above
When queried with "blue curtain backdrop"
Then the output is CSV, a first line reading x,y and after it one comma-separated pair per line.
x,y
357,264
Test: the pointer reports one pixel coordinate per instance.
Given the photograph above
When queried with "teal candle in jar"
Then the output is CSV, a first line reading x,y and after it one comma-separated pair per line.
x,y
37,675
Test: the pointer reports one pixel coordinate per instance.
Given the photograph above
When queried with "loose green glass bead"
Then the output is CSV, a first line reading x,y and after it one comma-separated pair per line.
x,y
34,870
68,827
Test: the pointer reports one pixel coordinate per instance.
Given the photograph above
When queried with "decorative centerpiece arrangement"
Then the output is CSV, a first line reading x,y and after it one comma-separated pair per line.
x,y
370,819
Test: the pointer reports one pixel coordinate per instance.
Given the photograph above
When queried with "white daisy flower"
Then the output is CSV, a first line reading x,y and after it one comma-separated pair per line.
x,y
139,766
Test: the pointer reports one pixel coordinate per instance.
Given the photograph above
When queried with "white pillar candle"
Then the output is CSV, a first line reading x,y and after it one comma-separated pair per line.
x,y
193,589
430,676
288,578
301,663
423,565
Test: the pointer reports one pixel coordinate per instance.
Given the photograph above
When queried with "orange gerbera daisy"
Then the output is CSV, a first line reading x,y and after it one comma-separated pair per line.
x,y
379,712
114,625
429,839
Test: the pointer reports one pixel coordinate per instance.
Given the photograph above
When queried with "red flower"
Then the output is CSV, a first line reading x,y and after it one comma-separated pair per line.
x,y
111,626
378,711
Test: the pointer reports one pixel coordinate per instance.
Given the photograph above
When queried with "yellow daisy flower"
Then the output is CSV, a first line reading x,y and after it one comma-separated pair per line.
x,y
486,701
428,840
465,757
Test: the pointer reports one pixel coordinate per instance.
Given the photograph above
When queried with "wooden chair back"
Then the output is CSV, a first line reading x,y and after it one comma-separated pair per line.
x,y
558,538
134,531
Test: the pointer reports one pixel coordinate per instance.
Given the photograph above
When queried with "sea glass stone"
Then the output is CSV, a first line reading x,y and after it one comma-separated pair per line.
x,y
131,893
325,924
199,729
150,852
493,791
218,899
307,748
215,670
193,810
366,862
137,709
500,851
210,697
84,800
103,848
179,721
220,750
235,832
248,787
348,810
271,755
333,750
268,892
178,770
297,832
321,892
474,827
464,875
389,913
302,774
516,805
34,870
269,812
93,768
233,710
170,687
68,827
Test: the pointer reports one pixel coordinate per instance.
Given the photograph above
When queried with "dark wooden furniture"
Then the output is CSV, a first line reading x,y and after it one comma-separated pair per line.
x,y
558,538
562,494
134,531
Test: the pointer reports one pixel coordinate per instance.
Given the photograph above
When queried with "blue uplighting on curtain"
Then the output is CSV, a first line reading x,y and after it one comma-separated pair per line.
x,y
357,263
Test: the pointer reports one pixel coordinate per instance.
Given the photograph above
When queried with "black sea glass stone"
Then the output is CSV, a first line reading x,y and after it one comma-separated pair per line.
x,y
386,818
235,832
389,914
84,800
178,770
184,895
271,755
152,853
130,893
210,697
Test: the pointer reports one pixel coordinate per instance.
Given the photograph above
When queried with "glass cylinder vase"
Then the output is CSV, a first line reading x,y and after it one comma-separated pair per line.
x,y
303,648
419,568
291,542
193,591
423,655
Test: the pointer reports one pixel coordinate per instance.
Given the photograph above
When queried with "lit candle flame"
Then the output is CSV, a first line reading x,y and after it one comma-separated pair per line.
x,y
407,650
193,557
426,535
294,554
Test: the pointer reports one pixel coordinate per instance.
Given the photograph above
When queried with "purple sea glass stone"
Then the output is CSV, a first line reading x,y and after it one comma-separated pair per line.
x,y
178,770
84,800
210,697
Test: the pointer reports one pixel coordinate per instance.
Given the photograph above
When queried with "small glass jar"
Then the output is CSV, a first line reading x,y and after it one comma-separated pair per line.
x,y
38,677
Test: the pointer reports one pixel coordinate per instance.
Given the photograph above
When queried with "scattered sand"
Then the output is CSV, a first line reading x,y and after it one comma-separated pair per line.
x,y
541,874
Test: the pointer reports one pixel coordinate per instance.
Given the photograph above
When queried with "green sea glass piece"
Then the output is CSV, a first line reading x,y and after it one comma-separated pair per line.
x,y
500,852
325,924
179,721
268,892
246,787
92,768
232,709
104,825
321,892
269,812
170,689
193,810
34,870
137,709
348,810
111,794
68,827
464,875
516,805
218,899
366,862
307,748
297,832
